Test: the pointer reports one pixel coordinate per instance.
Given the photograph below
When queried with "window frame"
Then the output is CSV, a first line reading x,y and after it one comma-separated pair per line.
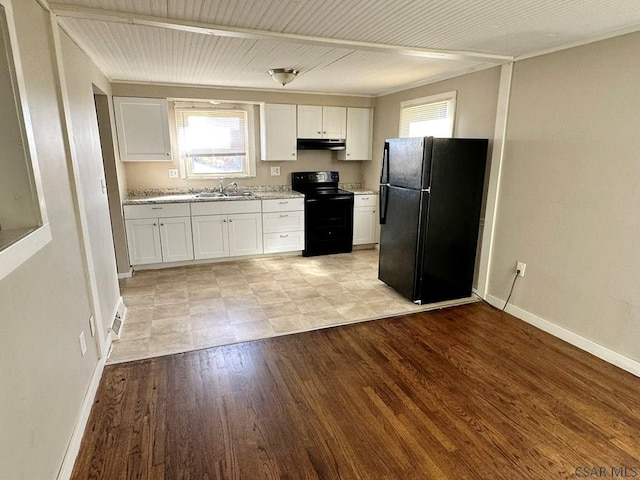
x,y
17,251
249,167
449,97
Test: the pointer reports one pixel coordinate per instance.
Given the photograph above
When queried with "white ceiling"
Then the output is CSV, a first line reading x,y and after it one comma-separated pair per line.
x,y
366,47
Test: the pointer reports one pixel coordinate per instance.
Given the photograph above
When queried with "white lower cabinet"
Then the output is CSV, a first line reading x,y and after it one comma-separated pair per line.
x,y
210,236
157,234
283,223
226,229
365,219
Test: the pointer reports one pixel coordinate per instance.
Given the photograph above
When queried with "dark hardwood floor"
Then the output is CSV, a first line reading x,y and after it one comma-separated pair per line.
x,y
461,393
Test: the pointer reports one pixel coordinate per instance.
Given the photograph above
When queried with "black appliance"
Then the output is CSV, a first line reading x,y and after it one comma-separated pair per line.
x,y
430,199
328,213
321,144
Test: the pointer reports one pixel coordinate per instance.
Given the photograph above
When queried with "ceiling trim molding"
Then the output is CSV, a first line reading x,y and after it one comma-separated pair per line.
x,y
240,89
111,16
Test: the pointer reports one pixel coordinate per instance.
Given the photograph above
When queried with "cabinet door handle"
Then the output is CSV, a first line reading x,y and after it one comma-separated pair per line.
x,y
162,224
284,215
365,198
284,236
155,224
156,208
225,220
282,203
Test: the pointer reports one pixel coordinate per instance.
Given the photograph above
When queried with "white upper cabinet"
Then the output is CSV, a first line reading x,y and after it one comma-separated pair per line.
x,y
142,128
359,135
278,132
322,122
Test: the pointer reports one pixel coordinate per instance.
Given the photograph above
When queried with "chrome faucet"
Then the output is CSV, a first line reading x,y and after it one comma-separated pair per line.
x,y
232,184
222,187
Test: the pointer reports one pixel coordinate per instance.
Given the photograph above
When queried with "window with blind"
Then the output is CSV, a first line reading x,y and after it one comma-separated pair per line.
x,y
428,117
215,142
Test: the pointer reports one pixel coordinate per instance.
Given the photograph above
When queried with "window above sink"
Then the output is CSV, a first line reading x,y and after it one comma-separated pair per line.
x,y
215,141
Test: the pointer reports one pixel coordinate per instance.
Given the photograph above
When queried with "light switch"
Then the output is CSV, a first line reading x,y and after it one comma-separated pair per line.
x,y
173,173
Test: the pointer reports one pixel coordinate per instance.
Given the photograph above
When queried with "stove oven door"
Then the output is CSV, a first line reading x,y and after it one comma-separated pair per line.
x,y
328,225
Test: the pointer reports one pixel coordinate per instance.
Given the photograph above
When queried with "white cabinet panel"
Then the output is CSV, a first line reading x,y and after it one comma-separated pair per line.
x,y
321,122
365,219
222,207
279,222
143,240
282,205
359,135
245,234
278,132
175,239
159,210
142,128
334,122
210,236
283,242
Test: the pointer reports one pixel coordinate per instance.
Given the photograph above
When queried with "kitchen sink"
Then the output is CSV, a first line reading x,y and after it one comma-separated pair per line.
x,y
223,195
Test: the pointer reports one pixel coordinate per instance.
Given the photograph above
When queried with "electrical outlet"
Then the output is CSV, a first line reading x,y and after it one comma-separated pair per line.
x,y
520,268
173,173
275,171
83,343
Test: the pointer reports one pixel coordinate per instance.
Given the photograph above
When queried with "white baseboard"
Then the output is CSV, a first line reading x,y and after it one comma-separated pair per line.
x,y
568,336
66,469
128,274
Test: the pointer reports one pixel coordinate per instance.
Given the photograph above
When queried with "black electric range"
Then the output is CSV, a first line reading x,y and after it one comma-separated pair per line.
x,y
328,213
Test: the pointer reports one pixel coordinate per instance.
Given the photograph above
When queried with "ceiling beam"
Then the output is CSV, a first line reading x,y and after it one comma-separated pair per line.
x,y
70,11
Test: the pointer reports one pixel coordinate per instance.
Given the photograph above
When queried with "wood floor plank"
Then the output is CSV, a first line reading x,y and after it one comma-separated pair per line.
x,y
466,392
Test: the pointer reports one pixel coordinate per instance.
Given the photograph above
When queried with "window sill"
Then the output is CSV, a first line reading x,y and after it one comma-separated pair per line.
x,y
18,246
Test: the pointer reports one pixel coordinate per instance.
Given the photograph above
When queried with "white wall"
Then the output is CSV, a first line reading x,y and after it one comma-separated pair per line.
x,y
570,192
44,304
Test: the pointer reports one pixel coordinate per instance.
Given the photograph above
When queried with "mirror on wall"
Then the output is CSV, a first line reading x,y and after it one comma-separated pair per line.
x,y
23,224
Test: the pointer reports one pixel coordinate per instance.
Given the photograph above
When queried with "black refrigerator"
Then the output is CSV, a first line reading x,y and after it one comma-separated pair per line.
x,y
430,200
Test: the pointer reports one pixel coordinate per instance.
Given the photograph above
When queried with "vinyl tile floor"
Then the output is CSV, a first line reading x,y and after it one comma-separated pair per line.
x,y
188,308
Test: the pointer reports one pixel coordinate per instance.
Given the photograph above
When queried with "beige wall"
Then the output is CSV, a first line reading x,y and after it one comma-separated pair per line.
x,y
477,95
81,75
141,175
44,303
570,191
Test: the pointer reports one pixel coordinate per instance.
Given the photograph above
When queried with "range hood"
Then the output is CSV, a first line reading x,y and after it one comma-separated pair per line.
x,y
321,144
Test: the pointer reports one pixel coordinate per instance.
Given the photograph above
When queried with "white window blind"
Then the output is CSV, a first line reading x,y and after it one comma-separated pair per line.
x,y
213,142
429,118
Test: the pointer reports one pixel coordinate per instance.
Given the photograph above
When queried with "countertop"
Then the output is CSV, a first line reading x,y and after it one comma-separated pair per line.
x,y
192,198
362,191
255,195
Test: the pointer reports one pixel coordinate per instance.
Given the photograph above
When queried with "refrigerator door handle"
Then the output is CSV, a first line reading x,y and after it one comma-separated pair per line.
x,y
384,175
384,203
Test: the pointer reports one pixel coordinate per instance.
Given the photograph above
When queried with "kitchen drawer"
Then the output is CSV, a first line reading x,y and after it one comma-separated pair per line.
x,y
365,200
277,222
283,242
223,207
282,204
160,210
